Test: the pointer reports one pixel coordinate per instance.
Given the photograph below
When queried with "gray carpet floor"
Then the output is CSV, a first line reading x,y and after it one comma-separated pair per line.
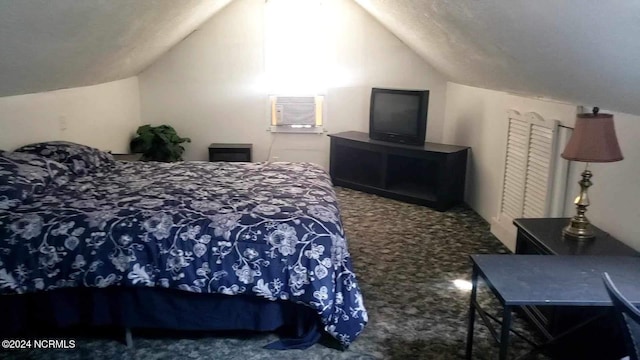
x,y
406,257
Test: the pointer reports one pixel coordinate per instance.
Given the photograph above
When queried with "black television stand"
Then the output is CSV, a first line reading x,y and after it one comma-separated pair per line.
x,y
432,174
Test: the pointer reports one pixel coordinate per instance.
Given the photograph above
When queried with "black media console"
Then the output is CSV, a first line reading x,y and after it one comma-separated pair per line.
x,y
431,175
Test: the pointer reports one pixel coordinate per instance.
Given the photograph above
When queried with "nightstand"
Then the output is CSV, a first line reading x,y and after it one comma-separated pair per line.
x,y
230,152
127,157
544,237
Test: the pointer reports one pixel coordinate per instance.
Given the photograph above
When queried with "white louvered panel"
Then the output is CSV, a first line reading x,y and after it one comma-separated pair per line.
x,y
539,145
518,124
535,197
529,162
540,153
541,137
519,137
514,184
516,175
536,179
511,209
541,132
515,168
519,129
540,149
536,194
514,180
534,209
514,149
511,204
516,160
538,165
513,194
518,134
510,201
514,197
516,155
518,144
532,212
535,205
537,182
538,160
539,157
537,169
517,163
543,129
513,201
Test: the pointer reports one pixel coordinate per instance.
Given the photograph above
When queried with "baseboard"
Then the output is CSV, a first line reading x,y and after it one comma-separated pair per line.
x,y
505,231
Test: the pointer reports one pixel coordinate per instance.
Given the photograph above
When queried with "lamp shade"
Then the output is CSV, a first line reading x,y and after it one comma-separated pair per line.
x,y
593,140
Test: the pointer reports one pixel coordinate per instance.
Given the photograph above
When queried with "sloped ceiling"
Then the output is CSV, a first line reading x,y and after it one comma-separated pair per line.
x,y
585,52
54,44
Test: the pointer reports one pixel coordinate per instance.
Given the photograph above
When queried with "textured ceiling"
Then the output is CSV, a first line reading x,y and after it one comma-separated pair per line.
x,y
585,52
55,44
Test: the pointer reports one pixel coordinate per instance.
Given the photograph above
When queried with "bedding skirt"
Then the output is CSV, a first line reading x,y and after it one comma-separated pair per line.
x,y
144,308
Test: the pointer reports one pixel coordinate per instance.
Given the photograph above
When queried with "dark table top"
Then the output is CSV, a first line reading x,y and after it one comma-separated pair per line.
x,y
548,234
559,280
230,146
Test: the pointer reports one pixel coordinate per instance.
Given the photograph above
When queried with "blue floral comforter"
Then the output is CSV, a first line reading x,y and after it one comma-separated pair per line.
x,y
270,230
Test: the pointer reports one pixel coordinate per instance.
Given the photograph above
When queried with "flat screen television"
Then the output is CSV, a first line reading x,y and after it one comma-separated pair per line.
x,y
398,115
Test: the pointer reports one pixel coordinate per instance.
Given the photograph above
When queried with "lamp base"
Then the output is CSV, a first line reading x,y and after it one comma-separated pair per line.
x,y
579,228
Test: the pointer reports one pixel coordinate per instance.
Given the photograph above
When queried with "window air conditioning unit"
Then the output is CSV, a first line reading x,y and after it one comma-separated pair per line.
x,y
296,113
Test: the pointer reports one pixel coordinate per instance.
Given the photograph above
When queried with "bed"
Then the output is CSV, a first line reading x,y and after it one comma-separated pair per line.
x,y
188,245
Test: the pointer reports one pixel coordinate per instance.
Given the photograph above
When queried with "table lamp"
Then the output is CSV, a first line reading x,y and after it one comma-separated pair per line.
x,y
593,140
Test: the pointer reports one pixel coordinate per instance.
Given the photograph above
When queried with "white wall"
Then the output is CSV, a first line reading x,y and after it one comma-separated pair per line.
x,y
103,116
477,118
209,86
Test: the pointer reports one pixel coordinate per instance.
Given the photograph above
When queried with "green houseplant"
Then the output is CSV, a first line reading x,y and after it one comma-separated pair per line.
x,y
158,143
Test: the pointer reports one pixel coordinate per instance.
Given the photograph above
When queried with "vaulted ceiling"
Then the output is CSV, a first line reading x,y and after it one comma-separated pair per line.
x,y
55,44
585,52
